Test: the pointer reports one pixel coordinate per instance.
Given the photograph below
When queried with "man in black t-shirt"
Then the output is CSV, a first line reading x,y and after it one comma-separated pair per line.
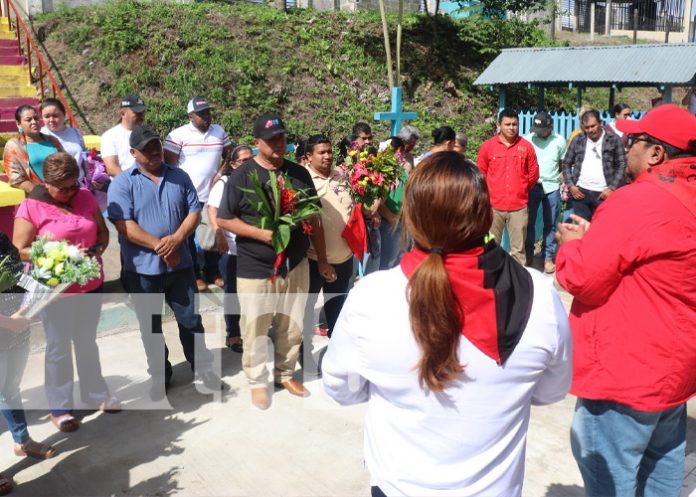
x,y
261,299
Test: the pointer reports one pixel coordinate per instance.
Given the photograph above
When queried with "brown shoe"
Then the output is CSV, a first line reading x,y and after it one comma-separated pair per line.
x,y
260,398
294,387
201,285
549,266
219,282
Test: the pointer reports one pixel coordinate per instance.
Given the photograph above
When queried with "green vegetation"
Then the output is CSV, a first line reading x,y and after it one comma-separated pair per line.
x,y
322,70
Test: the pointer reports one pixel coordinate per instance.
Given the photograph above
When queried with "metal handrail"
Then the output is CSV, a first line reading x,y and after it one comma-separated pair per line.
x,y
43,69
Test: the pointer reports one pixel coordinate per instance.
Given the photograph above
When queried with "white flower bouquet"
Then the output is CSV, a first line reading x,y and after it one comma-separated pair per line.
x,y
55,266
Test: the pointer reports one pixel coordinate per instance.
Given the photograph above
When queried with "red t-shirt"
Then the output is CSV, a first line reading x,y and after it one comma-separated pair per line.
x,y
510,171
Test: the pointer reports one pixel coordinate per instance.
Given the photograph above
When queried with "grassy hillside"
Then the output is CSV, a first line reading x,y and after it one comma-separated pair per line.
x,y
321,70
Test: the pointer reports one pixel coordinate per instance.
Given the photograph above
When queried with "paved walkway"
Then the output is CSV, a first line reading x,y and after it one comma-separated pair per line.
x,y
205,445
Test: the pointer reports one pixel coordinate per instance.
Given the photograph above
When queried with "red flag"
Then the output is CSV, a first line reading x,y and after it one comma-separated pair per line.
x,y
355,232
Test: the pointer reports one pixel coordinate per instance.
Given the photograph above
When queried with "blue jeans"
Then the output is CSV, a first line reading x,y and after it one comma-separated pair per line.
x,y
391,245
624,452
12,364
71,322
178,290
586,207
228,270
550,205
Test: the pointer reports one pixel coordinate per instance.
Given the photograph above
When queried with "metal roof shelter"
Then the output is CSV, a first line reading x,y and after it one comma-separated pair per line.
x,y
662,66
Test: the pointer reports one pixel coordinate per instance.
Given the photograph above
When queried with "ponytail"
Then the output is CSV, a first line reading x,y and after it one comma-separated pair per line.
x,y
436,322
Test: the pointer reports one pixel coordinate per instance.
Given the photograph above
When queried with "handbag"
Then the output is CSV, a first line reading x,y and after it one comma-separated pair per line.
x,y
204,233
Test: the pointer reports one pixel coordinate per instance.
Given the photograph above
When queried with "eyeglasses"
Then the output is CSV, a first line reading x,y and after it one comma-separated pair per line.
x,y
594,149
632,139
65,189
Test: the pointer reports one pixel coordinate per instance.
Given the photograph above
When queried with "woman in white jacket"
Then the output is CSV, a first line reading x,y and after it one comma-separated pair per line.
x,y
450,349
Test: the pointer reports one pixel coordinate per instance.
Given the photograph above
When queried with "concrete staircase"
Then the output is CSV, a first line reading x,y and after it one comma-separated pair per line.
x,y
15,84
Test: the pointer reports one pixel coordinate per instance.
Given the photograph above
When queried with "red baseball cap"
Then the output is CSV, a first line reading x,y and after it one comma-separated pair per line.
x,y
668,123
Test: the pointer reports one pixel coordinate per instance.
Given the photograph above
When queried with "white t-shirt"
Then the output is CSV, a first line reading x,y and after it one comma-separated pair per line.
x,y
469,440
214,200
115,141
199,154
72,142
592,172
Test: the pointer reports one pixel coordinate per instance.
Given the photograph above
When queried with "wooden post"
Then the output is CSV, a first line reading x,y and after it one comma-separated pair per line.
x,y
540,98
501,99
387,45
612,96
575,16
635,22
592,19
578,101
553,20
607,18
667,94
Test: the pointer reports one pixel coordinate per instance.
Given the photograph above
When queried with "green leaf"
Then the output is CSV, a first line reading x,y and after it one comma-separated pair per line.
x,y
281,238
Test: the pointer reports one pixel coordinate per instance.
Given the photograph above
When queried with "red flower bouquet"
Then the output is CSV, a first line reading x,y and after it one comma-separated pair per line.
x,y
282,208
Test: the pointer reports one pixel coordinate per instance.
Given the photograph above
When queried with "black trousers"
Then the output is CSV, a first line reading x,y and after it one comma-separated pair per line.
x,y
586,207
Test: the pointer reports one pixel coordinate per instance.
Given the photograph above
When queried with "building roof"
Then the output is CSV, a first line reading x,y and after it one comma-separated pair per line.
x,y
623,65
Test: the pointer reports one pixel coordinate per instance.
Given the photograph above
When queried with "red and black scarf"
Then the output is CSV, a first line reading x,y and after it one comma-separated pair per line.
x,y
494,293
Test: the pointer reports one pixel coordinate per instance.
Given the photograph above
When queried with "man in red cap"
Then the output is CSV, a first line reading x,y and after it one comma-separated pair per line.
x,y
633,317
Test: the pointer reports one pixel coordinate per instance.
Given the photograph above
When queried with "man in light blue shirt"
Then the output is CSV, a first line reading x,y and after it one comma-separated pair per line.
x,y
155,208
550,148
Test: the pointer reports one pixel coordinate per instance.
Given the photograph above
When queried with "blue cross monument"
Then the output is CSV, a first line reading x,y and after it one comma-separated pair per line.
x,y
396,115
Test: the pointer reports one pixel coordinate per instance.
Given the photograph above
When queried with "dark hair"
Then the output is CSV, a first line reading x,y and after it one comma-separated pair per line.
x,y
226,167
462,139
315,140
234,155
300,150
446,206
60,166
443,134
361,127
396,143
53,102
618,108
587,115
672,151
509,113
344,146
20,110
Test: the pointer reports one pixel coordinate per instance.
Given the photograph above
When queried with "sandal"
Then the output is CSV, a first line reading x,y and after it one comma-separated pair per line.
x,y
37,450
110,406
6,485
65,423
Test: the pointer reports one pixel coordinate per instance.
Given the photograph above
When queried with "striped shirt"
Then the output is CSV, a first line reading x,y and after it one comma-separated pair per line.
x,y
199,154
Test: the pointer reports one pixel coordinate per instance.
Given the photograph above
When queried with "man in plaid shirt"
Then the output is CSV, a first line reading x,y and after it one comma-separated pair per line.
x,y
594,165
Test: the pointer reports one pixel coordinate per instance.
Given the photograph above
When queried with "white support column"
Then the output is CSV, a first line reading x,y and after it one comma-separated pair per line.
x,y
607,18
592,19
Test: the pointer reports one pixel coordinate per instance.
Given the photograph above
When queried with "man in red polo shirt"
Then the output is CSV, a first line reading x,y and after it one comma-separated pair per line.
x,y
510,166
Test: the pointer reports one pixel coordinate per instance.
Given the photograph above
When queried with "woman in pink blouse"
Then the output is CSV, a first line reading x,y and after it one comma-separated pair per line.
x,y
61,210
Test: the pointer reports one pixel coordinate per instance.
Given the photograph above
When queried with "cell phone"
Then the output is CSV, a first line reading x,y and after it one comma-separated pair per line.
x,y
93,249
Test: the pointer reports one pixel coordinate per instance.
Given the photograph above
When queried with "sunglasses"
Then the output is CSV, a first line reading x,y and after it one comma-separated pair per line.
x,y
632,139
66,189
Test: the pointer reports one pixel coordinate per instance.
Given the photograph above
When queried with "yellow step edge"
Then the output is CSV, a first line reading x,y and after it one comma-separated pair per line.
x,y
17,91
14,70
8,35
14,79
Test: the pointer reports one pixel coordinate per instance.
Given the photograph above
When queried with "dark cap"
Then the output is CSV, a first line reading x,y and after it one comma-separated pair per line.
x,y
542,121
268,125
133,102
668,123
197,104
141,136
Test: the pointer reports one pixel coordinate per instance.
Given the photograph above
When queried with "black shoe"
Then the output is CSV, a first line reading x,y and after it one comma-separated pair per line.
x,y
211,381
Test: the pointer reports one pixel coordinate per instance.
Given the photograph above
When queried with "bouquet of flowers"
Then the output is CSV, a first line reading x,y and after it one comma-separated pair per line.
x,y
369,176
97,178
10,272
55,266
283,208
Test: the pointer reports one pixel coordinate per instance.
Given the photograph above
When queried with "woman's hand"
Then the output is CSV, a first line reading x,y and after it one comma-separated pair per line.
x,y
17,322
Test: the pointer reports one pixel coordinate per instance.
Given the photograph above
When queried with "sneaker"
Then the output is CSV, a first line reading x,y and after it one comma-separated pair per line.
x,y
201,285
549,266
211,381
321,331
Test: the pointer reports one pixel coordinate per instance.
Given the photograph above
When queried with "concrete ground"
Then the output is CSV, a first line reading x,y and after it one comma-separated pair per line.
x,y
206,445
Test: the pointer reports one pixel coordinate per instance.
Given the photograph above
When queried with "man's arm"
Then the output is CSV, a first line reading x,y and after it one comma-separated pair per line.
x,y
326,270
482,159
240,228
532,168
568,162
111,165
135,234
170,244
